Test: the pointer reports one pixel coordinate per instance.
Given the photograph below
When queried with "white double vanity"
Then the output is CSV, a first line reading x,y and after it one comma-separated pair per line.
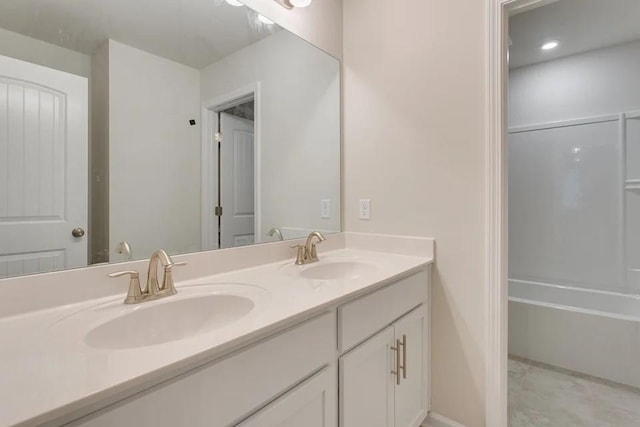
x,y
156,141
250,339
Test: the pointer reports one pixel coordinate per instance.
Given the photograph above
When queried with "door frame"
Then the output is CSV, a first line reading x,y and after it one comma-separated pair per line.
x,y
496,204
209,178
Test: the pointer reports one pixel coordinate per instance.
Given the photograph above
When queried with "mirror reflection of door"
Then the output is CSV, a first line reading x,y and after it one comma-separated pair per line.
x,y
236,187
43,168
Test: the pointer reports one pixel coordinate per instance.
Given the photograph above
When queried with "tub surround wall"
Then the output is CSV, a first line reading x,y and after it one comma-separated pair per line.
x,y
549,95
414,108
565,192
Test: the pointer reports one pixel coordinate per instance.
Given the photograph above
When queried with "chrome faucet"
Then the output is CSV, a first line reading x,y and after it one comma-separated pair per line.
x,y
277,232
153,290
309,253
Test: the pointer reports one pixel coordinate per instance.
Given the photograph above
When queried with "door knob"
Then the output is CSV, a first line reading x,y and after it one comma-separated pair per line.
x,y
77,232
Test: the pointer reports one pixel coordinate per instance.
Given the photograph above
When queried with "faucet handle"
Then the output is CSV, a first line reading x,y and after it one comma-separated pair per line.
x,y
177,264
135,294
168,286
300,255
131,273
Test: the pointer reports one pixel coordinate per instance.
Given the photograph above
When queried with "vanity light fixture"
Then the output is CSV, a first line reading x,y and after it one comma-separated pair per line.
x,y
265,20
552,44
290,4
235,3
300,3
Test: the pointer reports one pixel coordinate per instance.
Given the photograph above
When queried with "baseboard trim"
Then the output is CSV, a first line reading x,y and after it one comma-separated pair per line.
x,y
436,420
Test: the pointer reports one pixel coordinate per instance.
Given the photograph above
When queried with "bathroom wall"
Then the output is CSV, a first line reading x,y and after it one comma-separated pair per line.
x,y
151,100
599,82
414,111
290,190
49,55
99,157
602,81
320,23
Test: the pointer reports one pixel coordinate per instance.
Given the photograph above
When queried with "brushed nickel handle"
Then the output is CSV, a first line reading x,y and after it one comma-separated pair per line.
x,y
131,273
404,356
168,286
300,254
398,365
135,294
177,264
77,232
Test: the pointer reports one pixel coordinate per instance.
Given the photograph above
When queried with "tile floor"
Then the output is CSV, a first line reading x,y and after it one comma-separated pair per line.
x,y
541,397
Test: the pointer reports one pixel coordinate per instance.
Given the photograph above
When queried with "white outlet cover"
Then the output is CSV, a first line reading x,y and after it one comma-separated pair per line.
x,y
325,208
364,208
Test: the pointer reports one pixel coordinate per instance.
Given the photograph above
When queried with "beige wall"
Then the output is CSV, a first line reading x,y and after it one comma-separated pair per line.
x,y
320,23
300,128
414,106
154,176
99,156
49,55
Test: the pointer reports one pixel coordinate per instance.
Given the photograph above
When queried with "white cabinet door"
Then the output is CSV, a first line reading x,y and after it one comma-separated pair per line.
x,y
367,384
311,404
411,395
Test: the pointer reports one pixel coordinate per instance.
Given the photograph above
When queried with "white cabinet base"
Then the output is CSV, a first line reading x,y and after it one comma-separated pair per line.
x,y
384,381
311,404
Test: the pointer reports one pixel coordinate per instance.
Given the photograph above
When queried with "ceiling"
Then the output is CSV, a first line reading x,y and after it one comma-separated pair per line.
x,y
193,32
579,26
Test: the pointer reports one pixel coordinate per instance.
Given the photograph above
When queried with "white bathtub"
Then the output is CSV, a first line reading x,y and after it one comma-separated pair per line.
x,y
592,332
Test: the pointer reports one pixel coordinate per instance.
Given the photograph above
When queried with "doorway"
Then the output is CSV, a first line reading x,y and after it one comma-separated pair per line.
x,y
573,164
230,170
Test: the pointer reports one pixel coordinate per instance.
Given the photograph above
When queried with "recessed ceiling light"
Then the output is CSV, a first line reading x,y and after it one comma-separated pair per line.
x,y
265,20
235,3
549,45
300,3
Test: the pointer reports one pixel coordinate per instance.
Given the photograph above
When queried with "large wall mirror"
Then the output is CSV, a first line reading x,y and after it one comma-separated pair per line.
x,y
128,126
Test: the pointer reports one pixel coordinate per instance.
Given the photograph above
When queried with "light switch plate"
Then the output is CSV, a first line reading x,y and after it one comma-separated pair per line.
x,y
365,209
325,208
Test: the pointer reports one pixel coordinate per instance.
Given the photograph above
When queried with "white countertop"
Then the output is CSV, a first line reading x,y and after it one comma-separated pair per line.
x,y
49,372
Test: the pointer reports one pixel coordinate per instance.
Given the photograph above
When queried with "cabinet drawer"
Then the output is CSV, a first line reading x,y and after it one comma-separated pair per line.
x,y
365,316
224,391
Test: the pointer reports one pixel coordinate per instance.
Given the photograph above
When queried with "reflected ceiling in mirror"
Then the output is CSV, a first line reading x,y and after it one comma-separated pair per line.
x,y
129,126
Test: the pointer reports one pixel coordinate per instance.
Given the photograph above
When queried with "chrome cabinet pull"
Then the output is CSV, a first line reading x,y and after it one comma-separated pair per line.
x,y
396,372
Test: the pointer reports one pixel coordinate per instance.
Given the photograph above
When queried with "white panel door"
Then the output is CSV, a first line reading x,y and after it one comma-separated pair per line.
x,y
311,404
237,182
43,168
367,384
411,394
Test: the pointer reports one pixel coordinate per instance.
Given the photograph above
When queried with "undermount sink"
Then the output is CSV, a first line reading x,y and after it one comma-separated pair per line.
x,y
334,269
169,321
194,310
